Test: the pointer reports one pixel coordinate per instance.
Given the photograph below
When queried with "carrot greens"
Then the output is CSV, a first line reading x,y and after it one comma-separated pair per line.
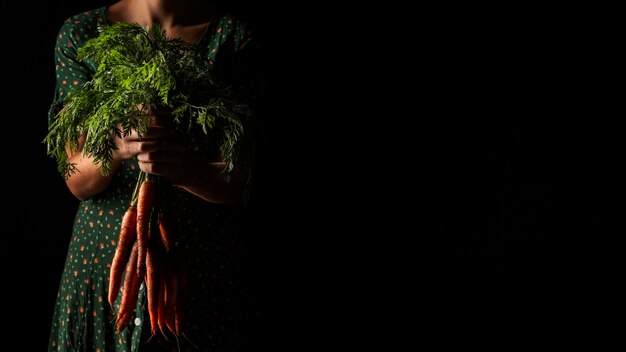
x,y
140,70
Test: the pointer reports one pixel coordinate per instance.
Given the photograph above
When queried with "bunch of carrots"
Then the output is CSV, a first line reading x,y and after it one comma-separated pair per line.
x,y
147,252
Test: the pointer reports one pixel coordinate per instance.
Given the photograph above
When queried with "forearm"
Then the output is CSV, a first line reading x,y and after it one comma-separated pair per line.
x,y
88,180
206,180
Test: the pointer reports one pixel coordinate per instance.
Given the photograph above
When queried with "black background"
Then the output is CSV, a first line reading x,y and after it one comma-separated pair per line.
x,y
414,168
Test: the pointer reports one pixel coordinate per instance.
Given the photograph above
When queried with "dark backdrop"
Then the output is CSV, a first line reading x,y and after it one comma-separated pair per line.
x,y
410,169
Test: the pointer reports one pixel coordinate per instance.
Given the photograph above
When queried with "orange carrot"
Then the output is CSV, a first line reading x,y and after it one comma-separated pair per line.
x,y
166,244
161,304
126,239
171,297
130,291
175,278
153,264
145,200
179,311
165,233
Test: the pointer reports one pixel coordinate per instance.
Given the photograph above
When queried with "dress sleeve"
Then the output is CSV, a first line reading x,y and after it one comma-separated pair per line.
x,y
70,73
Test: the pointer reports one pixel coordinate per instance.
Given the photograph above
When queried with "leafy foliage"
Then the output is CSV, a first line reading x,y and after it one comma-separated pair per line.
x,y
140,70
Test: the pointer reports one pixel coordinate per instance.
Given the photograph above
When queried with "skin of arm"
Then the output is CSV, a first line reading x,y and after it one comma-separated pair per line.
x,y
88,180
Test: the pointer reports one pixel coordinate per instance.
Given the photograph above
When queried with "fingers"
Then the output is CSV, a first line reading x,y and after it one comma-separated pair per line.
x,y
169,167
167,150
162,144
165,158
160,156
157,144
131,145
168,170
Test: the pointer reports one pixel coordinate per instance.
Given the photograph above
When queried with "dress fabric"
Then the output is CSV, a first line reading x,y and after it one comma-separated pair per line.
x,y
217,309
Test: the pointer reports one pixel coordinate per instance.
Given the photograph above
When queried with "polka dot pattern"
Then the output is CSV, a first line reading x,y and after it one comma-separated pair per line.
x,y
215,316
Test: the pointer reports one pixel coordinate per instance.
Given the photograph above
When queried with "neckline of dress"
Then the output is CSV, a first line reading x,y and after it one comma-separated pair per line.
x,y
108,22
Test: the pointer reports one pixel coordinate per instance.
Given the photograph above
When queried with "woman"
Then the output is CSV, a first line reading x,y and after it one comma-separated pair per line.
x,y
207,206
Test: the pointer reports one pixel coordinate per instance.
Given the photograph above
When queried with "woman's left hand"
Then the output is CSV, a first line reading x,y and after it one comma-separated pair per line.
x,y
162,153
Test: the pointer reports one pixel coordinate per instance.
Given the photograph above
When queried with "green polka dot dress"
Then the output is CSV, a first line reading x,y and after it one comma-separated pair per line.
x,y
215,311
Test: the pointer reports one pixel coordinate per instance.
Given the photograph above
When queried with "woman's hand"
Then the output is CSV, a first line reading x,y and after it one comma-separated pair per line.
x,y
131,145
160,151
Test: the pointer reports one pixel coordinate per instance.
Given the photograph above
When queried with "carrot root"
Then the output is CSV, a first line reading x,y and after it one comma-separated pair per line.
x,y
130,291
153,281
145,200
126,239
